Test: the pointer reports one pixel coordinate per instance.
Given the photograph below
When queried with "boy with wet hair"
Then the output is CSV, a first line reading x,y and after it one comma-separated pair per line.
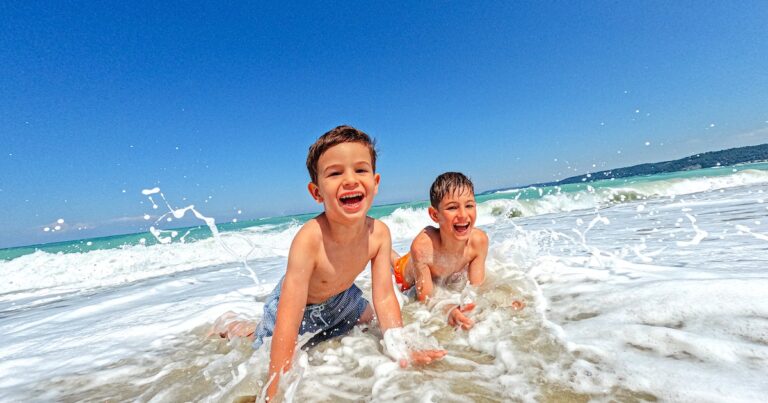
x,y
448,252
317,294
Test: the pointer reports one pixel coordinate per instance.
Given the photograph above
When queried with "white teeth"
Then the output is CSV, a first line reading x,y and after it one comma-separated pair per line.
x,y
350,196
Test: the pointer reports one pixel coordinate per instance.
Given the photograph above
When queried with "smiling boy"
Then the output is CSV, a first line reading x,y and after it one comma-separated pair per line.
x,y
317,293
449,251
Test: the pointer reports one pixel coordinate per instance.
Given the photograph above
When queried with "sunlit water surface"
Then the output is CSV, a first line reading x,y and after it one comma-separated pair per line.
x,y
647,290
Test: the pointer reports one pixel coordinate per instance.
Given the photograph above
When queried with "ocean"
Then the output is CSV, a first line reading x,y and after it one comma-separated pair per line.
x,y
636,289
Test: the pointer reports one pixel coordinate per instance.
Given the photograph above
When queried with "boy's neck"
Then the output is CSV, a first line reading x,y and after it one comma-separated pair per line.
x,y
344,232
452,245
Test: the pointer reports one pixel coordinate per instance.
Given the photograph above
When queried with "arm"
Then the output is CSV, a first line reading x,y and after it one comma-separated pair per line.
x,y
424,286
388,309
477,265
476,274
290,309
384,300
421,252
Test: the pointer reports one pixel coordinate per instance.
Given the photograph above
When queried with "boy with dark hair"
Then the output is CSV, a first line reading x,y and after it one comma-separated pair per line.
x,y
453,248
317,294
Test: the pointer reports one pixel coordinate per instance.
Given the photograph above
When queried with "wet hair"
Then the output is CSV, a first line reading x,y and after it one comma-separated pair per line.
x,y
339,135
449,183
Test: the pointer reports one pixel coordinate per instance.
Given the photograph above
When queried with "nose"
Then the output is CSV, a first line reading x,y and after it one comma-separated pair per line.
x,y
462,213
348,180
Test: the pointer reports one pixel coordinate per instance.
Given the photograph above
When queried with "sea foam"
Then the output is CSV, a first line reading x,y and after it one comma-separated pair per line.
x,y
653,295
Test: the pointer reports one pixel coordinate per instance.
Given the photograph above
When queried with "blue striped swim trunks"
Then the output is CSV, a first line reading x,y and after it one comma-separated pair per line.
x,y
333,317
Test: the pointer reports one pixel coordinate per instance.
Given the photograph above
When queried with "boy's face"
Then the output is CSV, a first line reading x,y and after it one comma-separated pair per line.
x,y
456,214
346,182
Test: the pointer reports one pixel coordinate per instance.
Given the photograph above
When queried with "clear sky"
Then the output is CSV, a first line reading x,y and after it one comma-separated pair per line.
x,y
217,103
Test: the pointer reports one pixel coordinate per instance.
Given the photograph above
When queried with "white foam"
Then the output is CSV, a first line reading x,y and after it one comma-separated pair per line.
x,y
553,200
42,273
622,305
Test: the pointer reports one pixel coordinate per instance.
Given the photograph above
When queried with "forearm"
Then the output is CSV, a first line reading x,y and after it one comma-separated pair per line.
x,y
388,312
476,276
280,358
289,315
423,284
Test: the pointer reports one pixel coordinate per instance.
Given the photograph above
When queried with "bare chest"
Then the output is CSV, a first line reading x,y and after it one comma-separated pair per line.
x,y
338,267
444,266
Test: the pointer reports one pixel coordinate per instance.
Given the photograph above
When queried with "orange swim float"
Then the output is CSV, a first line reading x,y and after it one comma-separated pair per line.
x,y
399,271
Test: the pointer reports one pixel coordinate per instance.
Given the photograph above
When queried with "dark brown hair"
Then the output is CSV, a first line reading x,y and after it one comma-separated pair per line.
x,y
339,135
449,183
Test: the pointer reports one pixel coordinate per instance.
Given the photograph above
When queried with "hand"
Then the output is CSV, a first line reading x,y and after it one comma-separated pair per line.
x,y
423,357
240,328
457,318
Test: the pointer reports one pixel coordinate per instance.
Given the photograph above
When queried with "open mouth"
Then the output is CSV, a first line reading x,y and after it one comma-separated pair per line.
x,y
351,200
461,228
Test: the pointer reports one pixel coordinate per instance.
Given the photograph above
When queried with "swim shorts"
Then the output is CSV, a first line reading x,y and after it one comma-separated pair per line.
x,y
399,271
333,317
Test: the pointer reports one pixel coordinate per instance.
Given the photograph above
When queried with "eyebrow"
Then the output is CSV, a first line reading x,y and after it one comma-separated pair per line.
x,y
338,166
329,167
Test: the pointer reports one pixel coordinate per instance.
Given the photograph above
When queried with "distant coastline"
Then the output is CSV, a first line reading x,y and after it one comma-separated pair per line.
x,y
731,156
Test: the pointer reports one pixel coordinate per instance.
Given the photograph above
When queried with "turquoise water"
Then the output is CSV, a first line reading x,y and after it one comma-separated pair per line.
x,y
532,193
635,289
522,193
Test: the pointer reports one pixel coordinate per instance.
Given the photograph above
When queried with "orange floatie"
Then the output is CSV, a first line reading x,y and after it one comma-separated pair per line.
x,y
399,271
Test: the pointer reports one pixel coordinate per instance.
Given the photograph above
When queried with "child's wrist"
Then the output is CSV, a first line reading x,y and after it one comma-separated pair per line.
x,y
394,344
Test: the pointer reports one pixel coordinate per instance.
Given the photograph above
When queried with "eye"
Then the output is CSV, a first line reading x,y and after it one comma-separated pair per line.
x,y
470,205
361,170
334,173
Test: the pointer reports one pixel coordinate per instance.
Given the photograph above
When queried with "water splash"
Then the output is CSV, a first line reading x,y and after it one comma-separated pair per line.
x,y
699,235
210,222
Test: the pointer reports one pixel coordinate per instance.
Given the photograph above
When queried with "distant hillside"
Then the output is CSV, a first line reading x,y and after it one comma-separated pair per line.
x,y
732,156
709,159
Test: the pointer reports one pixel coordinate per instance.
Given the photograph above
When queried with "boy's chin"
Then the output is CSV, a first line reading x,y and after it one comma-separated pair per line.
x,y
353,210
460,235
349,213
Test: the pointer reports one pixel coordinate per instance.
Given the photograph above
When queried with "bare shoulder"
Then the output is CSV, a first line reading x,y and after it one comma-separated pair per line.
x,y
304,252
424,244
310,235
377,228
479,240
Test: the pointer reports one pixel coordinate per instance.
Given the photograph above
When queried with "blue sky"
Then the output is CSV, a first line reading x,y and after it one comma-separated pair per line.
x,y
216,104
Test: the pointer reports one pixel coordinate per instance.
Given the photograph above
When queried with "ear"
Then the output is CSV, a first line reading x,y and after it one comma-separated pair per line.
x,y
377,178
432,213
314,191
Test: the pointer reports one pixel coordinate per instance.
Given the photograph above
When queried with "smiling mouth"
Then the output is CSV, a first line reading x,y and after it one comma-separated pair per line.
x,y
461,228
351,199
